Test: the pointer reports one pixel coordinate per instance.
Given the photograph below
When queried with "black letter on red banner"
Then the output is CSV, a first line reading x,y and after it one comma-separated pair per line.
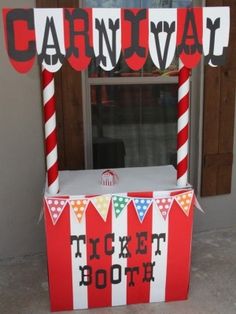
x,y
50,59
190,33
141,236
79,14
135,33
131,270
215,60
102,274
19,15
94,243
111,48
156,30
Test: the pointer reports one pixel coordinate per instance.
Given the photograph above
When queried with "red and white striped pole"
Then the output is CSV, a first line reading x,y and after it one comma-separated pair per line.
x,y
183,125
49,103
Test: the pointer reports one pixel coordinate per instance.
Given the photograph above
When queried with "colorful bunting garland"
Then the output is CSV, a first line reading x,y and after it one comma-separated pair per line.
x,y
119,204
106,33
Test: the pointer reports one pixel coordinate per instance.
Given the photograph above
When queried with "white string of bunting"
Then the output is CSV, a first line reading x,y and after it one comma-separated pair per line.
x,y
119,203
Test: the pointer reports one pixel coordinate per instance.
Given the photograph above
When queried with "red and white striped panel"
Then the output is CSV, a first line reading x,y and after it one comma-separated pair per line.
x,y
183,125
170,271
50,131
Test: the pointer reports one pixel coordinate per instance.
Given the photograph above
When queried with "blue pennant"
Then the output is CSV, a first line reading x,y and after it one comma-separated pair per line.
x,y
141,205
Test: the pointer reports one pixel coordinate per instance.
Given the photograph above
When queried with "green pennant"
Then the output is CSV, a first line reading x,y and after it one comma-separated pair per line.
x,y
119,203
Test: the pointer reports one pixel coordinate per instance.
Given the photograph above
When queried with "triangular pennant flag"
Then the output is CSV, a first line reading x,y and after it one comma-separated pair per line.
x,y
79,207
119,203
101,203
185,200
164,205
141,205
55,207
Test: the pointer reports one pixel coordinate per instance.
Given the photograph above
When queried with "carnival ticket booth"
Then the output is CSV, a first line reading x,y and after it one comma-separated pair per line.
x,y
120,236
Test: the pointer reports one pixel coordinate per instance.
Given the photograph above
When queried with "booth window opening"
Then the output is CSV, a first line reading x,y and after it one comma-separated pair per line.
x,y
131,116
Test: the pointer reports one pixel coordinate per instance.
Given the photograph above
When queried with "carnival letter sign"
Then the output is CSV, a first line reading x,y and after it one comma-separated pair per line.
x,y
81,34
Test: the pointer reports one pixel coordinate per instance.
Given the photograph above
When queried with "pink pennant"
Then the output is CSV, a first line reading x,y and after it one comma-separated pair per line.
x,y
164,205
185,200
55,207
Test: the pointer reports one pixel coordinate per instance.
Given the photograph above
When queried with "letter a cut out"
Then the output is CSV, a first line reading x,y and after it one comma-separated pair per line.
x,y
189,36
49,31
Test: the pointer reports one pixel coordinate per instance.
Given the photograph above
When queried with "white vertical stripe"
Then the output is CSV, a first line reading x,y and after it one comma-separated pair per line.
x,y
54,187
80,297
119,228
182,181
183,89
48,92
182,152
158,286
183,120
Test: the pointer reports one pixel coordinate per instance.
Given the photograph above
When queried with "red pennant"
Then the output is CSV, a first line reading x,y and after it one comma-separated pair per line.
x,y
20,38
134,47
55,207
164,205
189,36
78,37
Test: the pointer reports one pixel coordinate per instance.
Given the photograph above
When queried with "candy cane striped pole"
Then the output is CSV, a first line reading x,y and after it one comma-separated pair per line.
x,y
49,103
183,125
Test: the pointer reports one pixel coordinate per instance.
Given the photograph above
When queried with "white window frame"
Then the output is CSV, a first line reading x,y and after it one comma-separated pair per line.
x,y
196,97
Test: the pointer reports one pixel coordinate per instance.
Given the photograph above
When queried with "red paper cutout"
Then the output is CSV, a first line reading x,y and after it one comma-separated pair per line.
x,y
20,38
78,27
137,59
189,36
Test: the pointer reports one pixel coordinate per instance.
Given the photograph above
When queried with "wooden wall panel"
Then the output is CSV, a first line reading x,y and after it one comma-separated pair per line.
x,y
218,118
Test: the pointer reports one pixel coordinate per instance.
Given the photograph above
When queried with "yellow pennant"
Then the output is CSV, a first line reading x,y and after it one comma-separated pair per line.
x,y
185,201
101,203
79,207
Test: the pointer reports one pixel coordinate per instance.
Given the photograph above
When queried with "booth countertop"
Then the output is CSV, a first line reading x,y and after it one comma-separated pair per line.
x,y
142,179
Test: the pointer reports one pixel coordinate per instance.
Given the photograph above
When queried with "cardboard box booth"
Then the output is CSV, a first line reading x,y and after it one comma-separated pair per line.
x,y
130,241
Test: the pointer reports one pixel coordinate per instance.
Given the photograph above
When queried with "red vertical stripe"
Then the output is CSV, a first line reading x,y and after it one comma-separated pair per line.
x,y
140,292
59,261
179,253
97,228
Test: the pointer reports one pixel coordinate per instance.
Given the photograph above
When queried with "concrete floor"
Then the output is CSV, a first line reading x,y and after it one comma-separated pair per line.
x,y
24,289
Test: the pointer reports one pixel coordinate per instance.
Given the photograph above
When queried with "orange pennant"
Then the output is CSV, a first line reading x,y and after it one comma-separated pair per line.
x,y
185,200
79,207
